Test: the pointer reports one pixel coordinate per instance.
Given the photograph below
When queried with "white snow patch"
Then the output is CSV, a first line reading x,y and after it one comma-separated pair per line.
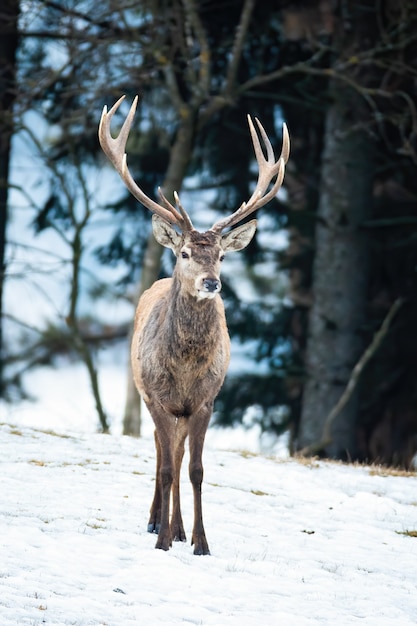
x,y
293,544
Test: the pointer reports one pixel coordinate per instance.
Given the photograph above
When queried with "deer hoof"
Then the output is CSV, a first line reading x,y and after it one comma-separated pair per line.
x,y
178,534
153,528
163,544
200,551
201,547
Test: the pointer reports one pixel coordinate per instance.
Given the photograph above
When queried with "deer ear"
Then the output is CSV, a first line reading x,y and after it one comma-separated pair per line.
x,y
165,233
239,237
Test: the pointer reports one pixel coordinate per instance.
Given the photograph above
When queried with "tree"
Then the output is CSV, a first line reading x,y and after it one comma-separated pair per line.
x,y
367,39
189,70
46,84
8,46
198,72
203,75
340,276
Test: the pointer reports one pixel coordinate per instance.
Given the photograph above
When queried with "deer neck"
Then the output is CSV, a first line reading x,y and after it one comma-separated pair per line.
x,y
192,324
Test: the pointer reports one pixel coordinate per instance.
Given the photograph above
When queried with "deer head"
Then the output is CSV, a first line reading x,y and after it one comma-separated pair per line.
x,y
199,255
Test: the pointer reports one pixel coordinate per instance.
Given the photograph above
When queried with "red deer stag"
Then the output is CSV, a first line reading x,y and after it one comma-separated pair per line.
x,y
181,346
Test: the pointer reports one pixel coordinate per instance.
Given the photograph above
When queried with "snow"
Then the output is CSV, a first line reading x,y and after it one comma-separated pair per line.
x,y
291,543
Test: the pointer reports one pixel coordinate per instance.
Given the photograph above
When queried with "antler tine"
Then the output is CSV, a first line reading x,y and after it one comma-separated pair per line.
x,y
268,170
115,148
183,212
188,225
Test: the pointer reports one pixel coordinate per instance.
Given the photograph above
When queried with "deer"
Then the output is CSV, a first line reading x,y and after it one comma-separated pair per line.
x,y
180,350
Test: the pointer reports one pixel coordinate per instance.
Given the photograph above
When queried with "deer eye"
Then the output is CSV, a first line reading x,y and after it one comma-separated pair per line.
x,y
222,257
185,255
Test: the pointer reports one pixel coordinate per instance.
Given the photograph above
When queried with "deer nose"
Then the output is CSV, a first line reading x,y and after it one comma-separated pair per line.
x,y
212,285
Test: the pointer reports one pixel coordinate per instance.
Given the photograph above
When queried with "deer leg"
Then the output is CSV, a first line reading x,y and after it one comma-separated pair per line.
x,y
197,432
177,526
165,434
154,523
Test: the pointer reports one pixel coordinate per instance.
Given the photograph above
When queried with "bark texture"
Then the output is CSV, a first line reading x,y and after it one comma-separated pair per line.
x,y
340,277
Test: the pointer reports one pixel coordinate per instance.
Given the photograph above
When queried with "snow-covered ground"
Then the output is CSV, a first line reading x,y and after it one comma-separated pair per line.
x,y
291,543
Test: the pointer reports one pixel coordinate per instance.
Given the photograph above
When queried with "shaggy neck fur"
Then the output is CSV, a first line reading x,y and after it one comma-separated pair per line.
x,y
192,324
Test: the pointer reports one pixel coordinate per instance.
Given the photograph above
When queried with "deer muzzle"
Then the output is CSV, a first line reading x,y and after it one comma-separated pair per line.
x,y
208,287
212,285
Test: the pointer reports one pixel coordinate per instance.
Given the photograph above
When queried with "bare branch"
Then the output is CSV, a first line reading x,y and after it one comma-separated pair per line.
x,y
326,438
240,36
174,92
202,84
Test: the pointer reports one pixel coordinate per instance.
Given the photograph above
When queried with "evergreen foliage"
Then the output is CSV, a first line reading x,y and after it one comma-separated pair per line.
x,y
74,57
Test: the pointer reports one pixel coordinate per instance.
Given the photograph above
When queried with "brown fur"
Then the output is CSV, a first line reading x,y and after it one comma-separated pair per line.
x,y
192,337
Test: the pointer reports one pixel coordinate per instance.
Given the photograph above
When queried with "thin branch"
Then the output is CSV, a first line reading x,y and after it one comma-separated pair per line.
x,y
202,84
405,220
303,67
326,438
229,91
174,92
236,55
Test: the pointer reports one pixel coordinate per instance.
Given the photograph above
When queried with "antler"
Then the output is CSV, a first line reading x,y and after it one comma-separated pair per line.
x,y
115,151
268,169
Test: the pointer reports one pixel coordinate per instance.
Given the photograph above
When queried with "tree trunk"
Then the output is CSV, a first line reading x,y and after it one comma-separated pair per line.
x,y
179,159
132,419
8,46
340,271
340,277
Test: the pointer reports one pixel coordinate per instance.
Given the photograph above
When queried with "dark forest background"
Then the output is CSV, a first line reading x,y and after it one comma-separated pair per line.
x,y
330,323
